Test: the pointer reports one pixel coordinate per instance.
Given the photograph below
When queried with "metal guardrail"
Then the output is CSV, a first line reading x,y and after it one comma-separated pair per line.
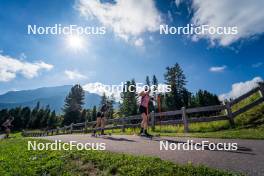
x,y
121,123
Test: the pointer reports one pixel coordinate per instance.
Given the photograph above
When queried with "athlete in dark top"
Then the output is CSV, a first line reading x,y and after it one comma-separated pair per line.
x,y
7,125
101,118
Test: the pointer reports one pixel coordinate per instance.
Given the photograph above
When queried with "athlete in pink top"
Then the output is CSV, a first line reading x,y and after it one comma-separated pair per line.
x,y
145,100
143,109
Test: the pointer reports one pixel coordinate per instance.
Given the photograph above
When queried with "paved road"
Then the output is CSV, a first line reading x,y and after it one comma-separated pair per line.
x,y
2,136
248,159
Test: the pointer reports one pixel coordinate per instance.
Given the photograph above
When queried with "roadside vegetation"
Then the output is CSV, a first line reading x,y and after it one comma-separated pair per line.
x,y
173,131
249,125
16,159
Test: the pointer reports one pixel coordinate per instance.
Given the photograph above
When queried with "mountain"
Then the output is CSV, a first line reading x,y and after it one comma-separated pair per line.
x,y
52,96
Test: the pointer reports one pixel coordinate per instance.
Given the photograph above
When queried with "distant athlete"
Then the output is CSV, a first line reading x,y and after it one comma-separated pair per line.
x,y
144,111
7,125
101,119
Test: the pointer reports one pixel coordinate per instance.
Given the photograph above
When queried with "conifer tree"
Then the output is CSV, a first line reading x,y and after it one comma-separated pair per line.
x,y
73,105
175,77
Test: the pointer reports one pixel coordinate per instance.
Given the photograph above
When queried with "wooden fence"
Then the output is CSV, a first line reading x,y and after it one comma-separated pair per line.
x,y
226,113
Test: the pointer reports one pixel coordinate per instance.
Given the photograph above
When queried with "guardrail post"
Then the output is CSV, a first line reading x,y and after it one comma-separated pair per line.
x,y
261,89
185,121
123,125
23,133
229,114
71,128
152,118
85,127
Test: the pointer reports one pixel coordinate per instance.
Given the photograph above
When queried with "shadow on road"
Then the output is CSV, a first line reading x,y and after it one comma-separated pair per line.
x,y
118,139
241,149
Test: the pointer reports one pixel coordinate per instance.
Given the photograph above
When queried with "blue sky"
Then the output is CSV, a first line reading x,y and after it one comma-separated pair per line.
x,y
138,49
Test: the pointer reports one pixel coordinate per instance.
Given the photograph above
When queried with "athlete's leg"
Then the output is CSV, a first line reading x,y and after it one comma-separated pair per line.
x,y
98,123
142,110
103,122
7,132
144,124
145,121
145,132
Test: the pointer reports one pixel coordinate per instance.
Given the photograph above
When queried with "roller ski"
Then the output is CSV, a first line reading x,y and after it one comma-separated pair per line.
x,y
94,134
144,133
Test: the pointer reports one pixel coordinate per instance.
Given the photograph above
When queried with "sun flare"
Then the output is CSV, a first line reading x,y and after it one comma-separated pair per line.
x,y
75,42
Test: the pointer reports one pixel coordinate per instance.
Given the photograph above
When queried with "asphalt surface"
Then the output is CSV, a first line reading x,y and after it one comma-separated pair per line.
x,y
2,136
247,159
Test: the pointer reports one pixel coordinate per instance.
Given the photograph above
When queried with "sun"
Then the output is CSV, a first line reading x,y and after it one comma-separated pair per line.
x,y
75,42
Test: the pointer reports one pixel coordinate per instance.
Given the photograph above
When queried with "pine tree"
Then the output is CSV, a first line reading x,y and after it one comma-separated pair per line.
x,y
33,118
133,99
147,81
25,116
73,105
83,115
94,112
128,106
103,100
111,106
89,117
155,94
186,98
52,121
3,115
175,77
204,98
45,117
16,114
155,81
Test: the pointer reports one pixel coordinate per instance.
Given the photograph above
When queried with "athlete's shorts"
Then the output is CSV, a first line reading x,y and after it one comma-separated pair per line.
x,y
100,114
143,109
7,130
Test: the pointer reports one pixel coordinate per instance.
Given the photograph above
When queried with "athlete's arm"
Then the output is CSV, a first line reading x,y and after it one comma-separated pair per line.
x,y
142,93
4,124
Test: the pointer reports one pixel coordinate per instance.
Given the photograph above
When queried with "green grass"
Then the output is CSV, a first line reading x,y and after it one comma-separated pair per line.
x,y
243,133
249,125
15,159
237,133
193,127
246,101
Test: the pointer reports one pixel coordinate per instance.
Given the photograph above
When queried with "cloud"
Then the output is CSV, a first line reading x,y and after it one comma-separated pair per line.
x,y
127,18
100,88
10,67
257,65
246,15
241,88
178,2
139,42
217,68
74,75
22,56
